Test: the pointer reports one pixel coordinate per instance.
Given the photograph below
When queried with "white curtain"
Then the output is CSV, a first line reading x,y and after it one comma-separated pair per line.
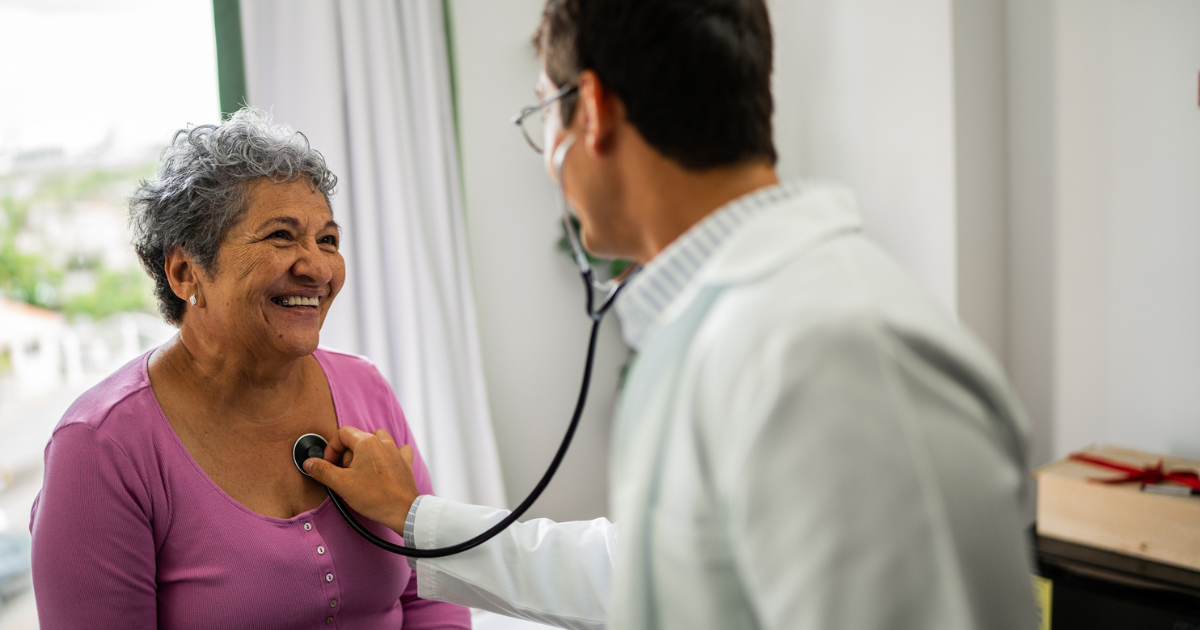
x,y
368,81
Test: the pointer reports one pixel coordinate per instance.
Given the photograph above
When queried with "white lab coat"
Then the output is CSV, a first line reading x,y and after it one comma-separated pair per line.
x,y
805,441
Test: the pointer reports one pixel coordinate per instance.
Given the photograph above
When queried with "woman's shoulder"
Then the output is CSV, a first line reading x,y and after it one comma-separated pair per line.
x,y
354,377
346,360
110,430
364,397
120,394
348,369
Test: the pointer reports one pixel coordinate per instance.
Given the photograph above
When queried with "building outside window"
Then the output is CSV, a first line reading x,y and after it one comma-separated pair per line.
x,y
91,93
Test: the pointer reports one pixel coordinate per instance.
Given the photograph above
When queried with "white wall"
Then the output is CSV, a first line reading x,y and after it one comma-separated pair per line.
x,y
1128,232
864,96
908,103
866,92
529,296
1104,222
1031,233
1036,164
981,170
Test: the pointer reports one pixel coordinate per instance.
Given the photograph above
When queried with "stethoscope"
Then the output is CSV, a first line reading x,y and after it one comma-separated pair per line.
x,y
313,445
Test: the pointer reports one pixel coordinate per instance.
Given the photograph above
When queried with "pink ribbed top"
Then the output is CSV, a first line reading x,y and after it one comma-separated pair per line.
x,y
129,532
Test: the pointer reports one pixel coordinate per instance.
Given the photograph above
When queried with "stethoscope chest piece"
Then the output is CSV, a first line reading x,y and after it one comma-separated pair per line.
x,y
306,446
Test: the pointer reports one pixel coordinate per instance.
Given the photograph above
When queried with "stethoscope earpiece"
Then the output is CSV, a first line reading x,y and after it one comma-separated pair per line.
x,y
306,446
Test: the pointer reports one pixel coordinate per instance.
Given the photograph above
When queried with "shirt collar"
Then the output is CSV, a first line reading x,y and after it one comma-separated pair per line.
x,y
653,289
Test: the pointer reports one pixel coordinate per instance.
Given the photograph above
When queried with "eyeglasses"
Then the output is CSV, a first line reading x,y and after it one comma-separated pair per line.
x,y
533,127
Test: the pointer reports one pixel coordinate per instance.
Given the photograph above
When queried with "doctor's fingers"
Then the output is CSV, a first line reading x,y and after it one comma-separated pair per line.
x,y
335,450
348,438
327,473
335,447
345,441
385,437
379,483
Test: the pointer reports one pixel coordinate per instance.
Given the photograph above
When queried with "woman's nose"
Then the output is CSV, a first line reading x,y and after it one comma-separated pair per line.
x,y
313,264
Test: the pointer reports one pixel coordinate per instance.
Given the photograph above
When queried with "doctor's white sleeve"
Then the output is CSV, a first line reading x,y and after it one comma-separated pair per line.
x,y
552,573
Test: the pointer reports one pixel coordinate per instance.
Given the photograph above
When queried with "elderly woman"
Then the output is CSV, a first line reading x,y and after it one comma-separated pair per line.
x,y
170,496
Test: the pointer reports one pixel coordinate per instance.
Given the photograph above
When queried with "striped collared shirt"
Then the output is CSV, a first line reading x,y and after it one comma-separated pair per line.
x,y
410,534
663,278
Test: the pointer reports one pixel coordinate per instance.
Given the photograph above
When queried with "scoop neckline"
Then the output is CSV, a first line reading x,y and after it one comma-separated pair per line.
x,y
195,466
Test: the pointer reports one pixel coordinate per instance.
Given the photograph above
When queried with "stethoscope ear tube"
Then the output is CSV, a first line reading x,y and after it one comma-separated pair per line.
x,y
610,289
559,159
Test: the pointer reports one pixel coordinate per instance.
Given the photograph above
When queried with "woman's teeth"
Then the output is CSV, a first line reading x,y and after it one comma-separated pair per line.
x,y
296,300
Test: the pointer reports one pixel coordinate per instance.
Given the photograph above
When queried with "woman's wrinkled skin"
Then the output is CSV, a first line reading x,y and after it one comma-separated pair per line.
x,y
239,382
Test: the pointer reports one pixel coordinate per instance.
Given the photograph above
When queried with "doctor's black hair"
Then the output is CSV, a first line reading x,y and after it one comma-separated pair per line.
x,y
694,75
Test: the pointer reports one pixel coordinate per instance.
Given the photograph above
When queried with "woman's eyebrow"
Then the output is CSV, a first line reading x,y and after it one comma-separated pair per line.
x,y
294,223
289,221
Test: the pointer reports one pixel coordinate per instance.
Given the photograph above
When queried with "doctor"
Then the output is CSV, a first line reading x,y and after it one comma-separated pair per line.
x,y
805,440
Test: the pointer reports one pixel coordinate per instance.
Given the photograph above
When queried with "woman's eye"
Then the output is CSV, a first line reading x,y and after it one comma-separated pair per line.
x,y
280,234
330,240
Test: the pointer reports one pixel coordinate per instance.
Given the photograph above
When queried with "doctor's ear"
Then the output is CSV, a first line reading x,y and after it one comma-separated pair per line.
x,y
601,110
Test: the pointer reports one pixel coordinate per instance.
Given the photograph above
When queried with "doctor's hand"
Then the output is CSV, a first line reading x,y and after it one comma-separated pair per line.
x,y
377,477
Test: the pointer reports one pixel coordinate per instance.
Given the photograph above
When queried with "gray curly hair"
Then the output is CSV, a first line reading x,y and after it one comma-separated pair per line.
x,y
204,180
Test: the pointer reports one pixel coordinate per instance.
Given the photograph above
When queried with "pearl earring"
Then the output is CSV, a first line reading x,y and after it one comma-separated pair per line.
x,y
192,300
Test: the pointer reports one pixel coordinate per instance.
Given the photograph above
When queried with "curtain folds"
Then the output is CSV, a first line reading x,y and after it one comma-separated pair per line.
x,y
368,81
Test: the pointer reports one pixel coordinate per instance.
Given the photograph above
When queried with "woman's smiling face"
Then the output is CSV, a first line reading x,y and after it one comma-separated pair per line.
x,y
278,271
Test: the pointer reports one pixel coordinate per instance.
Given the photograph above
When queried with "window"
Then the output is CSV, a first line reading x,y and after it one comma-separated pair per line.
x,y
93,90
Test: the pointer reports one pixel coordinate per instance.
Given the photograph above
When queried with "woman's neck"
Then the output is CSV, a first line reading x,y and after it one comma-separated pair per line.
x,y
231,378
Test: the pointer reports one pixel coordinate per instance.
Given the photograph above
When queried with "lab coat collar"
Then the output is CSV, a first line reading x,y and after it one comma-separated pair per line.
x,y
794,218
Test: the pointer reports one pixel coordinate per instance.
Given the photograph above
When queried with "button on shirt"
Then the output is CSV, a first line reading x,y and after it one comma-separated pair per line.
x,y
129,532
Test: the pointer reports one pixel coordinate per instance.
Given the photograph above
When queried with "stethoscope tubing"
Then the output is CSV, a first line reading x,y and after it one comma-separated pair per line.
x,y
520,510
609,289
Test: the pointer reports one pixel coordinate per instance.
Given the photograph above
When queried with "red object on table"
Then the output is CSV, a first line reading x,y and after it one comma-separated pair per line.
x,y
1145,474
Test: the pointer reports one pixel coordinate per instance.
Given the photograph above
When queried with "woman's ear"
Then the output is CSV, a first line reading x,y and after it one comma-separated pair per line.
x,y
183,276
